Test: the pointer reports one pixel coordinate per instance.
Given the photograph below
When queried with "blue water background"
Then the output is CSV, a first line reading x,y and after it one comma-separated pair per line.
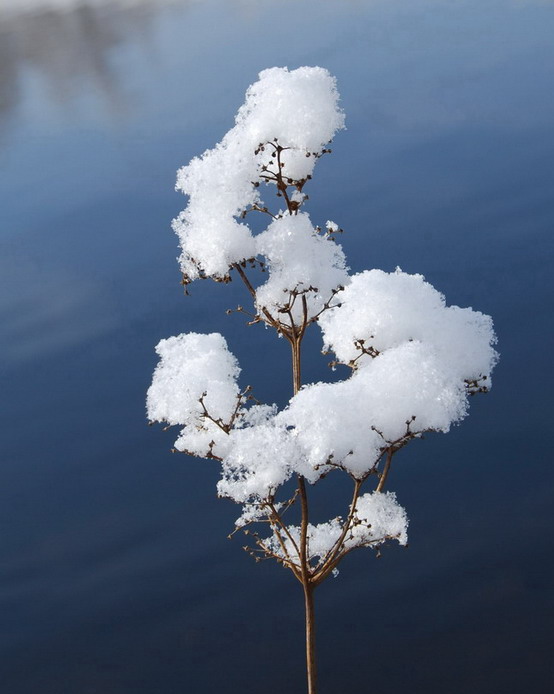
x,y
116,576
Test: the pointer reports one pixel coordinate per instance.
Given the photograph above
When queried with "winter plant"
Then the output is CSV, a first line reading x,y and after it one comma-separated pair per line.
x,y
413,360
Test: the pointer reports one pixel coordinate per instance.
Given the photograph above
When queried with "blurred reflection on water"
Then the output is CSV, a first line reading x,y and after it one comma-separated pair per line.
x,y
69,43
59,50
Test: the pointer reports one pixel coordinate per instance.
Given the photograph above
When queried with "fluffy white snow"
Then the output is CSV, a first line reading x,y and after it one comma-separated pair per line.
x,y
260,459
299,110
349,423
196,374
298,258
413,358
378,518
388,309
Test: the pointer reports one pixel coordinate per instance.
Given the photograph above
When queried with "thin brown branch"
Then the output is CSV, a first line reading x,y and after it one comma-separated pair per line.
x,y
288,311
218,422
257,208
327,305
240,397
270,319
345,551
281,185
278,525
277,517
245,279
328,564
383,476
287,504
268,554
210,455
306,574
304,316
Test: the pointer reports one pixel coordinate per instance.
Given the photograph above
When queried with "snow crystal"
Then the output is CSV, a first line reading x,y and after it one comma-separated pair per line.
x,y
253,512
406,382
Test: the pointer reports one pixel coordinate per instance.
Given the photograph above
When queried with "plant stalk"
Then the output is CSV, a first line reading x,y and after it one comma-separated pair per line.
x,y
308,585
311,670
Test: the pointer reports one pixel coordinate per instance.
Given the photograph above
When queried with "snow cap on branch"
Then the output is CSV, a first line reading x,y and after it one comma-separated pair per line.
x,y
299,260
259,460
385,310
378,518
298,109
413,358
351,422
196,375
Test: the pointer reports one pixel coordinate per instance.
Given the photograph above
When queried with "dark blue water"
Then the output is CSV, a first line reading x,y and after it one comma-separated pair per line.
x,y
116,577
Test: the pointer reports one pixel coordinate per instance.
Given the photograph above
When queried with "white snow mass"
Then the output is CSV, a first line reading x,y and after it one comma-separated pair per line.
x,y
414,361
378,518
388,309
299,110
196,375
300,259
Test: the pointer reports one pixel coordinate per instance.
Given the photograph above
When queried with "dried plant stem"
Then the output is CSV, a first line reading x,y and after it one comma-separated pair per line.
x,y
337,551
384,474
311,671
306,574
294,333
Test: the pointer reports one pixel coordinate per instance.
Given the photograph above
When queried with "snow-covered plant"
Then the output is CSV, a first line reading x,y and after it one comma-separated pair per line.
x,y
413,360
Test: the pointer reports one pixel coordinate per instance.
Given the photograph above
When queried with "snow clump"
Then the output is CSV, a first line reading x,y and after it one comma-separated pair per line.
x,y
196,374
379,517
299,110
299,259
388,309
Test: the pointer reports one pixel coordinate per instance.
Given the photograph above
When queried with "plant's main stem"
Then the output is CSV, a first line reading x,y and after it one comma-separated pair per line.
x,y
296,371
311,670
307,584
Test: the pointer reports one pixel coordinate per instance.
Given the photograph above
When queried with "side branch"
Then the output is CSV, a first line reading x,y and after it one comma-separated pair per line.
x,y
270,319
335,553
304,531
245,279
278,527
384,474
